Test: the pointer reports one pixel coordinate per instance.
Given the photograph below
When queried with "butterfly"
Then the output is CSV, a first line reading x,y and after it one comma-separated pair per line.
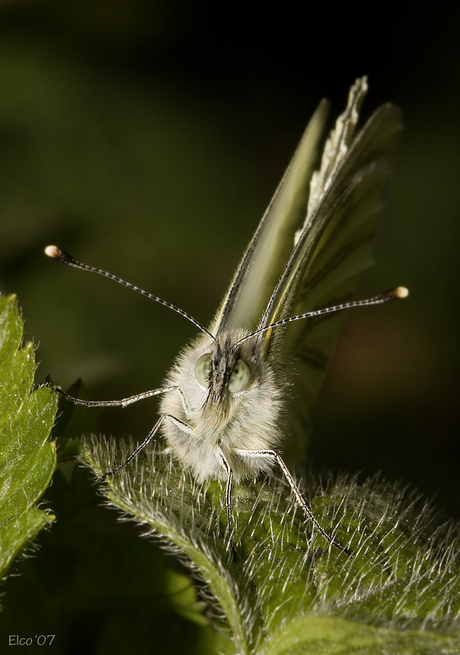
x,y
223,403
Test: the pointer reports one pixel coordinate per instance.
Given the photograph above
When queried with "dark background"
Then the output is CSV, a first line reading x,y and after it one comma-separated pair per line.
x,y
148,137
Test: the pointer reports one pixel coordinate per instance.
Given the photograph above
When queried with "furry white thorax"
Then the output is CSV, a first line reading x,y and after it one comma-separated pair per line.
x,y
216,417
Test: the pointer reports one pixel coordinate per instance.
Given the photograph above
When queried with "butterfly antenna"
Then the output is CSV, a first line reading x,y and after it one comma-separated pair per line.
x,y
392,294
56,253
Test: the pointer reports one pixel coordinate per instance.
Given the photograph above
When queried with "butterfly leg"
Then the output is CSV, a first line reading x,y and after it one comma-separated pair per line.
x,y
228,500
148,439
141,446
183,399
275,457
123,402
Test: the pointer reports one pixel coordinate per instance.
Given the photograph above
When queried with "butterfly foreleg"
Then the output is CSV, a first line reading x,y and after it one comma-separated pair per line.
x,y
148,439
228,498
185,405
123,402
141,446
276,458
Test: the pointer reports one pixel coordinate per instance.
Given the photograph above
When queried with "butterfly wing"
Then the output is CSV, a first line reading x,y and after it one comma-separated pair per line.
x,y
334,244
314,241
271,246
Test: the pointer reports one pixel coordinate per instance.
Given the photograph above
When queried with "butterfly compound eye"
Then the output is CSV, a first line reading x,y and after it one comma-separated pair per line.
x,y
203,370
240,377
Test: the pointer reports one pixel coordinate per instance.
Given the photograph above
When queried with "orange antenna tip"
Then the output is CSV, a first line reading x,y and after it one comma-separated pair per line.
x,y
53,252
401,292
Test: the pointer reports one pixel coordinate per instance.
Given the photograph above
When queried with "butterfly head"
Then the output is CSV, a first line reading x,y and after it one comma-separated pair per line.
x,y
228,370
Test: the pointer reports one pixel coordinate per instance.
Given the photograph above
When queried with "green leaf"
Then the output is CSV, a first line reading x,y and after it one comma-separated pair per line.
x,y
27,458
89,570
97,586
287,590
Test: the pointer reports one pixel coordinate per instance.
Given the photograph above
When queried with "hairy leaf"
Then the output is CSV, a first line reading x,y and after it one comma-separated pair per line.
x,y
27,458
283,588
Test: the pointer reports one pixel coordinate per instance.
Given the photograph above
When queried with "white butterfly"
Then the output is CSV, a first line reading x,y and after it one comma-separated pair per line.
x,y
223,402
